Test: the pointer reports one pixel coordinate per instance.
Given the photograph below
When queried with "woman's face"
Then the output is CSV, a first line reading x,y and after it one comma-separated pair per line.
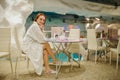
x,y
41,20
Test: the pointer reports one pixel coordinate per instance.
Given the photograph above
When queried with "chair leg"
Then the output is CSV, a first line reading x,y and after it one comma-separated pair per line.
x,y
16,65
27,61
88,54
79,59
71,61
95,56
117,61
105,56
110,57
11,62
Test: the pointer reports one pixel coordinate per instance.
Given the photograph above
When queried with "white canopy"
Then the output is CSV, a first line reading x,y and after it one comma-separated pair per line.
x,y
79,7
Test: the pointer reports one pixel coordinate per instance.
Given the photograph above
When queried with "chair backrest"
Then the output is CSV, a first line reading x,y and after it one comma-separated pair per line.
x,y
74,34
118,46
5,39
56,31
91,37
17,41
5,43
119,32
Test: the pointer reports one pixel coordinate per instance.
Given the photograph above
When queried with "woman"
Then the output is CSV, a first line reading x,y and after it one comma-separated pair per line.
x,y
35,46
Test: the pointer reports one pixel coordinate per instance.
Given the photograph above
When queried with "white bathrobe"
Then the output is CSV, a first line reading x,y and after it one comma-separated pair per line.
x,y
33,48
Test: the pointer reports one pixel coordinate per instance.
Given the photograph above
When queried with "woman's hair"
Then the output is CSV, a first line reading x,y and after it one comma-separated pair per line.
x,y
39,14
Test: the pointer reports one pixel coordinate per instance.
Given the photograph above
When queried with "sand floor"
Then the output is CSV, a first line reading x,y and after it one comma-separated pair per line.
x,y
88,71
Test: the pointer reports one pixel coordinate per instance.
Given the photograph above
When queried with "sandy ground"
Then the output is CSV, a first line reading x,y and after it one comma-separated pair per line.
x,y
88,71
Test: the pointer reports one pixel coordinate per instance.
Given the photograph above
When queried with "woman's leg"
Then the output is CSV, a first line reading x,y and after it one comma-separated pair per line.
x,y
49,50
45,59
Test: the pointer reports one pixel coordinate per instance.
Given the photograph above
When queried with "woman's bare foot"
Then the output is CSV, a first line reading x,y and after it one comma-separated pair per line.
x,y
50,71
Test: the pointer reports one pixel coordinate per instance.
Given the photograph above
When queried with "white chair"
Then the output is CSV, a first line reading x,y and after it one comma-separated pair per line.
x,y
92,43
116,51
20,54
74,34
5,43
56,31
